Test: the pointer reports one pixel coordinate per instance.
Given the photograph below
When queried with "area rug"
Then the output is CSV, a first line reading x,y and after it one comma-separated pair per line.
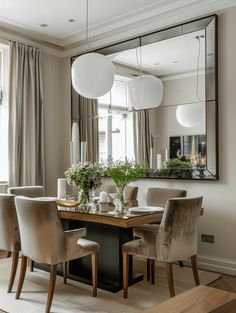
x,y
77,297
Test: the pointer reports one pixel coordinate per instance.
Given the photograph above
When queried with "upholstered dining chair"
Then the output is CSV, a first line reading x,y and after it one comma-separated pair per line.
x,y
44,241
157,196
174,239
28,191
9,233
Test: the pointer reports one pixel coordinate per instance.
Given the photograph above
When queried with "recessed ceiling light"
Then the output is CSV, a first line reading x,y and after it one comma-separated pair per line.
x,y
175,61
43,25
72,20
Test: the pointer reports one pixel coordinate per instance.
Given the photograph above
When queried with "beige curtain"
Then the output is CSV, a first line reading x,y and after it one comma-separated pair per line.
x,y
142,138
85,113
26,129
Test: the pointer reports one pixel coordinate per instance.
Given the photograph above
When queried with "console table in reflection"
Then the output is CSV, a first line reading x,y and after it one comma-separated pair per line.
x,y
111,232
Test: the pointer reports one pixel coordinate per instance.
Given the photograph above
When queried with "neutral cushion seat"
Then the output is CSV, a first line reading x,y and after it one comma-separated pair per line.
x,y
44,240
175,239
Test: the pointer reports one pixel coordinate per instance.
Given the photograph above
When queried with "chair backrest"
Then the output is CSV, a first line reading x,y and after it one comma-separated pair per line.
x,y
159,196
42,234
179,229
9,228
27,191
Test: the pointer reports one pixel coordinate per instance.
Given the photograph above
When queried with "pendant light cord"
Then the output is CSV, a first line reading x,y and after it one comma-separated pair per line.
x,y
198,61
87,24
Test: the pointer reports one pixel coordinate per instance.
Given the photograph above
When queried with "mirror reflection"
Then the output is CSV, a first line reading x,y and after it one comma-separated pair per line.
x,y
156,111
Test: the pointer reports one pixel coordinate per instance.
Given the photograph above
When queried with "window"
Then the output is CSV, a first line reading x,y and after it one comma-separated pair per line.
x,y
115,123
4,68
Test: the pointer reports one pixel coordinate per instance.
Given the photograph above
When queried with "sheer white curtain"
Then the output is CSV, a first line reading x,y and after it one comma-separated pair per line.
x,y
26,129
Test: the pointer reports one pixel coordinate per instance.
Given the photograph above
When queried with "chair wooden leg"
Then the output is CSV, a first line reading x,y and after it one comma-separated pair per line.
x,y
22,276
125,274
15,257
195,270
95,273
169,271
152,271
31,265
65,271
8,254
51,288
148,269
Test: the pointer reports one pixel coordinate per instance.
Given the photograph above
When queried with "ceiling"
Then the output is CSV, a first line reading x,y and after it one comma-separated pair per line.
x,y
163,58
107,18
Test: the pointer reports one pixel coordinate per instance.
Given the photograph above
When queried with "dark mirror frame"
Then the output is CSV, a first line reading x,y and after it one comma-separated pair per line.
x,y
208,23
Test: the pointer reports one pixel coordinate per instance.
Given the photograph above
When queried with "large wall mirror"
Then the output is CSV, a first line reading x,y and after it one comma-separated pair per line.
x,y
178,139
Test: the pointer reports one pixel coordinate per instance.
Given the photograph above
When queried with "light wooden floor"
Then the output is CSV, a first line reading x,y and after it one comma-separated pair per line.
x,y
226,282
76,297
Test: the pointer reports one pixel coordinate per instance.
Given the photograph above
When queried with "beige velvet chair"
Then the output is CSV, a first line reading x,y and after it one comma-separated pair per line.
x,y
28,191
9,233
44,240
157,196
174,239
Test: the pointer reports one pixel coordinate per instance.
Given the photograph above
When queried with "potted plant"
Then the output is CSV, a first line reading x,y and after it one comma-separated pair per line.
x,y
87,176
177,168
123,173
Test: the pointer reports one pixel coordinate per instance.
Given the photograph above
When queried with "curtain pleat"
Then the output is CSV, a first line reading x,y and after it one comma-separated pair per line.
x,y
85,113
26,126
142,138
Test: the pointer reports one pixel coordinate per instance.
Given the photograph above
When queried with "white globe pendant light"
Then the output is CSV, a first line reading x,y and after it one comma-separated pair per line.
x,y
92,75
145,92
191,114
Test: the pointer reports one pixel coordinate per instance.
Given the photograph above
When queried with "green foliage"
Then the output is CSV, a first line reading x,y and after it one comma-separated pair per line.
x,y
87,176
176,163
124,172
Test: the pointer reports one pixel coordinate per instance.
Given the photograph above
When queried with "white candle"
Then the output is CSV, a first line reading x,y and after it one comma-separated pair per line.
x,y
74,152
158,158
83,151
103,196
167,154
61,188
152,159
75,132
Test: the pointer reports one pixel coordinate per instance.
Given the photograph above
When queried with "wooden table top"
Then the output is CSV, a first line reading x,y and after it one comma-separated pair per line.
x,y
105,218
69,210
201,299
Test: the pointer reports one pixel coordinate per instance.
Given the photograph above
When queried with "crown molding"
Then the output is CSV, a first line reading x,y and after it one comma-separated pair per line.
x,y
164,13
145,23
7,35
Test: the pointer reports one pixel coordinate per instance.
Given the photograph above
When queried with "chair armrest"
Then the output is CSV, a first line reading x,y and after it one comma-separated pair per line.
x,y
75,233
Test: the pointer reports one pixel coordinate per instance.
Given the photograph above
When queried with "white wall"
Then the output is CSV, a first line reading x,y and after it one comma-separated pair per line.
x,y
57,114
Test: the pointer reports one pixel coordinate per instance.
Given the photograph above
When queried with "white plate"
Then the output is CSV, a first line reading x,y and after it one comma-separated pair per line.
x,y
146,209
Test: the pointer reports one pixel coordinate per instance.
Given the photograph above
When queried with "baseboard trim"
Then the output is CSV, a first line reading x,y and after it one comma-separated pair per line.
x,y
215,264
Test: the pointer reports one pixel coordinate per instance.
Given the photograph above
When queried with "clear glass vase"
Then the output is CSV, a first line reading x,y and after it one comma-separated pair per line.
x,y
86,199
120,200
121,195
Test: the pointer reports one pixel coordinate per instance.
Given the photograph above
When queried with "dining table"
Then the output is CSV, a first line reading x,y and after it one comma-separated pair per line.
x,y
111,230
